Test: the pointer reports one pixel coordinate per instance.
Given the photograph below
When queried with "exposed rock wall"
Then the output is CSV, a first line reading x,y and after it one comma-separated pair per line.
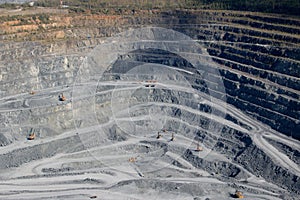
x,y
259,61
258,55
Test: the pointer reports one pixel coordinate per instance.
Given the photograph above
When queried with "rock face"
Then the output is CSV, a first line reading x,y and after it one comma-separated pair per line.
x,y
258,55
261,73
107,126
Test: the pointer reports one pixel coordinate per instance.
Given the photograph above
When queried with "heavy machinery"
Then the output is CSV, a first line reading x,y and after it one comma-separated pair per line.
x,y
132,159
239,195
173,137
150,83
62,97
31,136
32,92
158,135
199,148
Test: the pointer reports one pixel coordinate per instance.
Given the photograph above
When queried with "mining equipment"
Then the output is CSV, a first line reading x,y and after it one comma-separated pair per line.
x,y
62,97
31,136
158,135
199,148
239,195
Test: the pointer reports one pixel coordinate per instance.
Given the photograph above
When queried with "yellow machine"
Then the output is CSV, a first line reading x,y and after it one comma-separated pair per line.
x,y
173,137
31,136
32,92
239,195
158,135
199,148
62,97
132,159
150,83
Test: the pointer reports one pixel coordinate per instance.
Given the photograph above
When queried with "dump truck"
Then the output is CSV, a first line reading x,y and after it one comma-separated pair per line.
x,y
239,195
150,83
158,135
132,159
173,137
32,92
31,136
62,97
199,148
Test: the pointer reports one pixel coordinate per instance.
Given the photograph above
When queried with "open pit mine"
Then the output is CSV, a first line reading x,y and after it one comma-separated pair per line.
x,y
150,104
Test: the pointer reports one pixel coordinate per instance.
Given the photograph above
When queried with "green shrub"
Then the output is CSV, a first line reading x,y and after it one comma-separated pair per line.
x,y
44,18
77,10
8,6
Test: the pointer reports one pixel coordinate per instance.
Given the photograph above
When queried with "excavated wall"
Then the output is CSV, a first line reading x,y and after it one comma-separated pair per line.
x,y
258,55
258,58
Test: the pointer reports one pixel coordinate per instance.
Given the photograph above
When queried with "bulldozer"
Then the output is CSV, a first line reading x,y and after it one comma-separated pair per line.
x,y
238,195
